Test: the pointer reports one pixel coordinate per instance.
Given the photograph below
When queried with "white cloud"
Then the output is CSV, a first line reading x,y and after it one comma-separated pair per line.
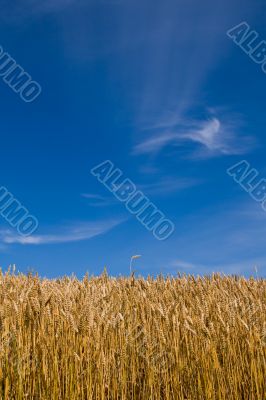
x,y
164,186
207,135
229,238
154,144
23,9
213,136
168,185
72,233
96,200
251,266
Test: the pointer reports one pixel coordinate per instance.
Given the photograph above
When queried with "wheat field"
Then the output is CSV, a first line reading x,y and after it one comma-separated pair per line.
x,y
132,338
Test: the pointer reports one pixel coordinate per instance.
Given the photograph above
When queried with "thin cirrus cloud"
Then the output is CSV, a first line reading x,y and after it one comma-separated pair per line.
x,y
235,235
169,185
166,186
212,138
72,233
95,200
25,8
249,267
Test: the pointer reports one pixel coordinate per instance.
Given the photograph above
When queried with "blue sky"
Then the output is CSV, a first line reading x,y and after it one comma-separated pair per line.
x,y
159,89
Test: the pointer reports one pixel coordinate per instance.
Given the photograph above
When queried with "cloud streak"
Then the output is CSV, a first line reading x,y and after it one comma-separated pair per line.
x,y
72,233
169,185
242,267
164,186
213,137
95,200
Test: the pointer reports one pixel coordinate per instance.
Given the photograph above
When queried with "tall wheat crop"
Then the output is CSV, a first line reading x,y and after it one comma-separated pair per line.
x,y
127,338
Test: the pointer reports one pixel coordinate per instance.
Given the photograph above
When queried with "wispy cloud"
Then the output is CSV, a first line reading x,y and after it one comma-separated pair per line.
x,y
23,9
212,136
242,267
72,233
95,200
154,144
229,238
168,185
161,187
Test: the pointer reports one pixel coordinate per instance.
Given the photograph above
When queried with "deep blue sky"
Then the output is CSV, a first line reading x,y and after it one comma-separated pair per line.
x,y
139,83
